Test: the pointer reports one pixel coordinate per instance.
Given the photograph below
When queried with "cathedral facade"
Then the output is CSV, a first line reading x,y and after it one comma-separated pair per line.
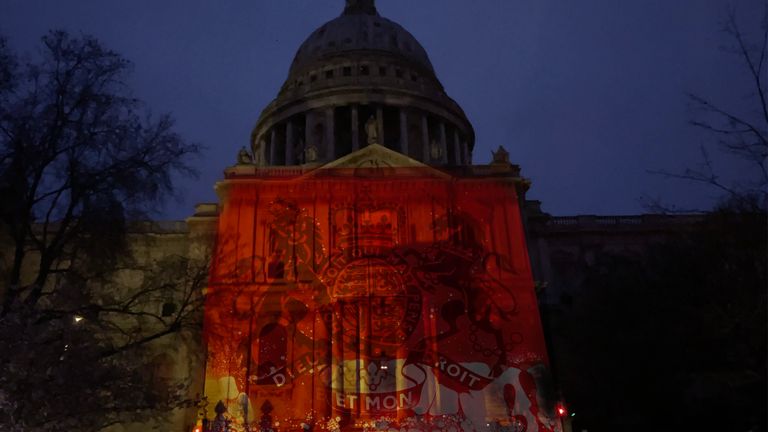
x,y
364,274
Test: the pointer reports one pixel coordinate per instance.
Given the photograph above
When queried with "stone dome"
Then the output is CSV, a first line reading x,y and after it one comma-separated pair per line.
x,y
359,32
358,79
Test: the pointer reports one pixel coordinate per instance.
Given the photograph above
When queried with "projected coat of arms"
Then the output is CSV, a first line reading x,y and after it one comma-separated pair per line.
x,y
341,301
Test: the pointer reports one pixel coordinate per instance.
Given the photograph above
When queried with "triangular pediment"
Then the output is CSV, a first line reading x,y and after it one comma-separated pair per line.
x,y
374,159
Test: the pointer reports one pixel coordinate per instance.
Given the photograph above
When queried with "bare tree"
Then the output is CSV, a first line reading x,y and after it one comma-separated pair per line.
x,y
741,134
77,157
80,161
87,359
7,65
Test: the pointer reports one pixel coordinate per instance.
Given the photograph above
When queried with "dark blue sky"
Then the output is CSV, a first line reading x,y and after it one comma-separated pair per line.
x,y
586,95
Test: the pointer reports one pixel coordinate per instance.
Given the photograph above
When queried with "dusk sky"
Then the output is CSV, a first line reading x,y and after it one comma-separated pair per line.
x,y
587,96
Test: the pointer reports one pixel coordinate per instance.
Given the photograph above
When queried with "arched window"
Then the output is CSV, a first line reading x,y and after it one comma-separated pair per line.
x,y
276,265
273,354
162,369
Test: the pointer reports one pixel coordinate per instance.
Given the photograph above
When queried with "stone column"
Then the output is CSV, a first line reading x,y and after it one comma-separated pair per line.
x,y
467,154
272,144
380,124
289,143
330,141
403,132
355,130
457,148
425,139
308,117
443,144
257,148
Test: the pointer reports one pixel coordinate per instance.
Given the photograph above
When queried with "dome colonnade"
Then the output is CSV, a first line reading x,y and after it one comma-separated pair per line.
x,y
358,79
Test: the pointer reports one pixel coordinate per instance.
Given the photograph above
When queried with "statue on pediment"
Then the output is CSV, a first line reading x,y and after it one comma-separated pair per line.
x,y
310,154
501,156
372,130
244,157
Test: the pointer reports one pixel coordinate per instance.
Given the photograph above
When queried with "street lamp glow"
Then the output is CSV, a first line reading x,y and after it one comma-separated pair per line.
x,y
78,318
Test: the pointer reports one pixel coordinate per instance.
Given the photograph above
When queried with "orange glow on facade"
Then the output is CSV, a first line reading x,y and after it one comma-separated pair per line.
x,y
345,300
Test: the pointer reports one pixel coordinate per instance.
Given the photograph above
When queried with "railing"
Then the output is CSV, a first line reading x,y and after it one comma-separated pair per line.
x,y
169,226
587,221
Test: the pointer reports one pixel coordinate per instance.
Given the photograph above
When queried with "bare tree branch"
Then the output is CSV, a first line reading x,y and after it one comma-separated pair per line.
x,y
742,135
79,159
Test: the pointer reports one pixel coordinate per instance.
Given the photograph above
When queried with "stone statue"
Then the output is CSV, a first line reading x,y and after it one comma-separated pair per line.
x,y
435,152
500,156
243,157
310,154
372,130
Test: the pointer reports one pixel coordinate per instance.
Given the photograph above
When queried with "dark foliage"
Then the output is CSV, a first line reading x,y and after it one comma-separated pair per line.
x,y
674,339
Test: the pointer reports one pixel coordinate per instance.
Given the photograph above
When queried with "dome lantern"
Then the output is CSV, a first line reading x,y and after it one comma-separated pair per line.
x,y
360,6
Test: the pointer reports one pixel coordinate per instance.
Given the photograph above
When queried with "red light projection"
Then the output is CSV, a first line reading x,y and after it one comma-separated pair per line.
x,y
340,302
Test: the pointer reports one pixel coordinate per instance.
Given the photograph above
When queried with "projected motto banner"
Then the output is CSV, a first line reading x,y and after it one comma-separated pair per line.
x,y
345,300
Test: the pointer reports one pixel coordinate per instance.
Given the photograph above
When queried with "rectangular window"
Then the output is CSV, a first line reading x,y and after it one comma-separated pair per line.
x,y
347,71
365,70
383,70
329,74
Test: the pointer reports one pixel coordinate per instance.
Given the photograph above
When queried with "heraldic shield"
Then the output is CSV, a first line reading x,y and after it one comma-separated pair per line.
x,y
346,300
